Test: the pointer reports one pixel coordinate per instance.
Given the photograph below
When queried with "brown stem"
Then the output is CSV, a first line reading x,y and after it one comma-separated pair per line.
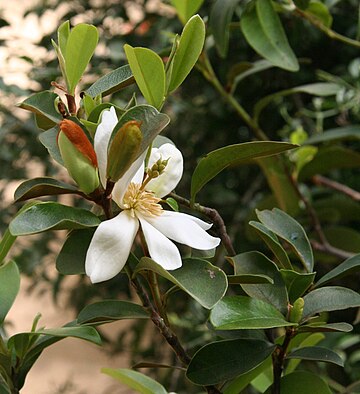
x,y
71,103
214,216
323,181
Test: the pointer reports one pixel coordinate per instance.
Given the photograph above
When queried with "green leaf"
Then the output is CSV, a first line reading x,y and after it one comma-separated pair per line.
x,y
291,231
249,279
189,49
152,123
330,158
80,47
296,283
220,17
216,161
43,123
42,104
321,12
44,186
323,327
331,135
63,33
328,299
289,384
135,380
224,360
343,237
112,82
316,353
110,310
263,30
4,388
186,8
204,282
49,139
46,216
257,263
239,313
9,287
349,266
71,259
302,4
6,242
273,243
149,73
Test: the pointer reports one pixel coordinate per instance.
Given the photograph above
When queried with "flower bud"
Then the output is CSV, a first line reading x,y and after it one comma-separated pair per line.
x,y
78,155
157,168
296,310
123,150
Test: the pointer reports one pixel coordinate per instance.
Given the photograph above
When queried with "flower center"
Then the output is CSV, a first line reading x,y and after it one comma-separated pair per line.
x,y
138,200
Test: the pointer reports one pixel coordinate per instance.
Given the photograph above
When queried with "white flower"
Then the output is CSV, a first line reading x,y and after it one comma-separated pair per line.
x,y
139,200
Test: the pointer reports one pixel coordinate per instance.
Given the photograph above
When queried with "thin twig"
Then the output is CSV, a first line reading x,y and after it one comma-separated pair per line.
x,y
214,216
323,181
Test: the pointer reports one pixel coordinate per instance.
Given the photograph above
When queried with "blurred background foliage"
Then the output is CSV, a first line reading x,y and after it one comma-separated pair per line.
x,y
200,122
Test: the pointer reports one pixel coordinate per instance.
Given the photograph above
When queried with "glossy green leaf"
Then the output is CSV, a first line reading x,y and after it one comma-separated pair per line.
x,y
44,186
189,49
220,17
112,82
204,282
149,73
273,243
289,384
321,89
216,161
224,360
291,231
296,283
135,380
239,312
330,298
331,135
80,47
330,158
152,123
349,266
43,104
249,279
321,12
257,263
186,8
46,216
110,310
263,30
323,327
9,287
49,139
71,259
316,353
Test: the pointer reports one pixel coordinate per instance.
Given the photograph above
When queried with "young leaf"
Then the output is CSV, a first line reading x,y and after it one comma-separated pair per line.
x,y
263,30
63,33
9,287
224,360
257,263
46,216
349,266
220,18
291,231
42,103
135,380
186,8
190,46
216,161
316,353
80,47
110,310
204,282
328,299
112,82
149,73
239,313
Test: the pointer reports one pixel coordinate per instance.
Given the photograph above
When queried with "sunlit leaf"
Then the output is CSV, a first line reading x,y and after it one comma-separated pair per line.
x,y
186,8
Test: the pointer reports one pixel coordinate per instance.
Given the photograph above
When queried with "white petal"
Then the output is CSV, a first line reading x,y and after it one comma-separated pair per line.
x,y
161,249
134,174
182,228
110,247
169,179
102,138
